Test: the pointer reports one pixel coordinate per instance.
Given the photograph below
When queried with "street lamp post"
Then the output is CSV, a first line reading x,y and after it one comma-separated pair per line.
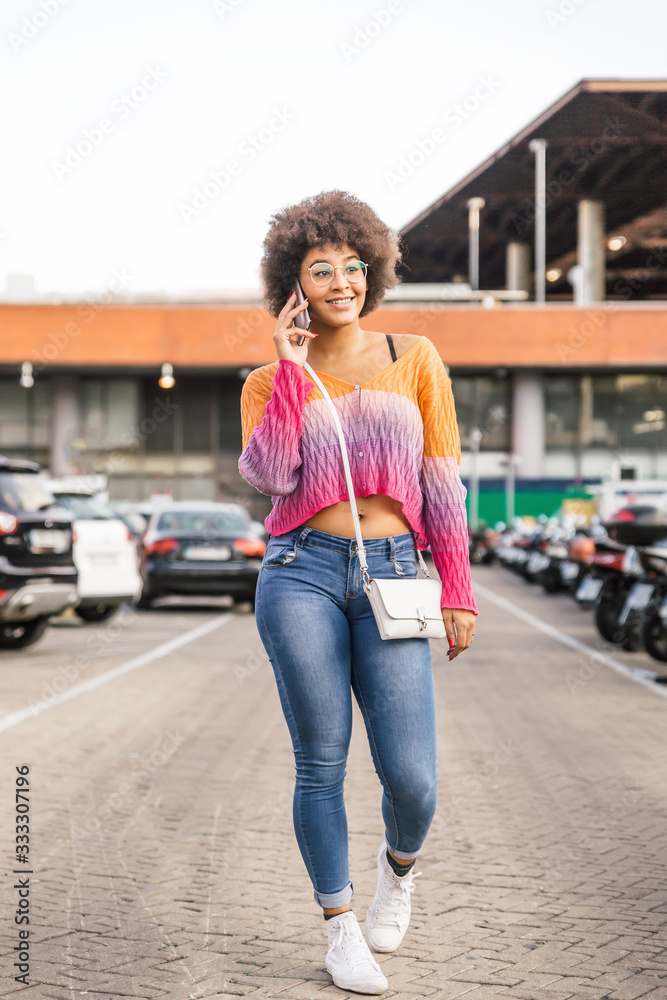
x,y
511,462
475,438
474,206
539,148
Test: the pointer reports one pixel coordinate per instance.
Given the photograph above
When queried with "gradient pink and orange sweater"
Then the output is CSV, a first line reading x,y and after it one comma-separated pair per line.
x,y
403,441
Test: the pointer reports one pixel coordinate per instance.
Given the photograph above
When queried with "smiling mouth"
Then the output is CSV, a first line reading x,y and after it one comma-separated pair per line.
x,y
341,302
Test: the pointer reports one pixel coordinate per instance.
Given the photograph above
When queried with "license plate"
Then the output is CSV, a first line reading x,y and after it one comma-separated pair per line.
x,y
537,562
588,589
637,599
569,570
53,540
208,552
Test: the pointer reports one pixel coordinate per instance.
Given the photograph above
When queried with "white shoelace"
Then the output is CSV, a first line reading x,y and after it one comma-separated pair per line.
x,y
349,936
396,893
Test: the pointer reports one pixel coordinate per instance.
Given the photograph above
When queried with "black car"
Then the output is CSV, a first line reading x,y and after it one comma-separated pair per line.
x,y
200,548
37,573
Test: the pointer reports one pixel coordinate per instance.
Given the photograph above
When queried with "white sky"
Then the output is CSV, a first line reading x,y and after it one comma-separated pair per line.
x,y
221,71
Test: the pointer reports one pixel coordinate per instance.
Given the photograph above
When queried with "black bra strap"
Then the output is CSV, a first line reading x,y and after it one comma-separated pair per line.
x,y
391,346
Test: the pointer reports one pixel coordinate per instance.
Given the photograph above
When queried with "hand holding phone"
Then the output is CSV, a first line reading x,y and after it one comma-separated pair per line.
x,y
293,318
302,319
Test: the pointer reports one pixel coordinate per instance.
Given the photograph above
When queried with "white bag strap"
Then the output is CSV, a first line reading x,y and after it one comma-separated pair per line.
x,y
348,478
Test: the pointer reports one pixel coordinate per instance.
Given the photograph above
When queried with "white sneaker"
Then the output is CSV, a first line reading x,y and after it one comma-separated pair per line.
x,y
388,916
349,959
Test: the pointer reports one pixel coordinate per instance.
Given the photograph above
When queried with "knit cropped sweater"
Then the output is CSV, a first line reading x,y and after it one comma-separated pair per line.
x,y
403,441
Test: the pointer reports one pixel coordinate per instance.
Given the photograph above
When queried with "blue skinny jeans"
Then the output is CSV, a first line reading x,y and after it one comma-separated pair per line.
x,y
318,629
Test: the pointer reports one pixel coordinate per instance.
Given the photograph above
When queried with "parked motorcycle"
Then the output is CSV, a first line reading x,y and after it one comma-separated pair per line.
x,y
626,594
654,624
482,546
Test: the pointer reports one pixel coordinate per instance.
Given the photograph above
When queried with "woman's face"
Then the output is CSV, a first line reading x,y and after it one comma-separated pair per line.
x,y
341,301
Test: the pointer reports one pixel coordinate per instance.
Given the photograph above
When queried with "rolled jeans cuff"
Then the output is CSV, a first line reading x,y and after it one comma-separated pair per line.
x,y
402,855
332,900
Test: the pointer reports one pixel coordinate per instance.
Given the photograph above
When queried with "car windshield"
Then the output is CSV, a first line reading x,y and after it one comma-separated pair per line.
x,y
135,522
83,507
214,522
24,491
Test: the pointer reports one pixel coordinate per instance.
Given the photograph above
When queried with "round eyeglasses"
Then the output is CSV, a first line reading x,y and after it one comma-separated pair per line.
x,y
322,273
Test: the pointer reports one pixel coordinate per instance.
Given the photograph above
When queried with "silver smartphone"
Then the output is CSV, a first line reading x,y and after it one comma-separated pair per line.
x,y
302,319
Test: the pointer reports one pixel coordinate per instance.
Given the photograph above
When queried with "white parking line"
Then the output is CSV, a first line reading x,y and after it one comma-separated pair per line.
x,y
15,718
567,640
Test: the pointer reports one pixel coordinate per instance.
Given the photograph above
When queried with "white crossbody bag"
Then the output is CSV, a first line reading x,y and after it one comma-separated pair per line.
x,y
403,609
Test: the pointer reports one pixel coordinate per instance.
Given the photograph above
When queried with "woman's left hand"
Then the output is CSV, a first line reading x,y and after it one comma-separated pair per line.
x,y
460,628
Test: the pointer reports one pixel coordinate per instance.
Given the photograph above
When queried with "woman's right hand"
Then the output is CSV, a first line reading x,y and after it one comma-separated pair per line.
x,y
284,336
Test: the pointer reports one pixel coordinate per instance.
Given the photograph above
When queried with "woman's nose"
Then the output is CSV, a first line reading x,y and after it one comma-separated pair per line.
x,y
339,279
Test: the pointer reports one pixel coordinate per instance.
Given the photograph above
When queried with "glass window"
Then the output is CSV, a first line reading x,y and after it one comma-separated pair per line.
x,y
24,491
24,415
624,411
196,399
160,409
218,521
83,507
229,405
109,412
483,401
561,400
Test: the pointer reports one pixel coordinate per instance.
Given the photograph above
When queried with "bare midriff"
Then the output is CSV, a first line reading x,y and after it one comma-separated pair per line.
x,y
379,515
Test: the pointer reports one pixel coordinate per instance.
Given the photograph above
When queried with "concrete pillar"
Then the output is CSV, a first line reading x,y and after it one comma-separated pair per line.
x,y
517,267
65,423
591,249
528,423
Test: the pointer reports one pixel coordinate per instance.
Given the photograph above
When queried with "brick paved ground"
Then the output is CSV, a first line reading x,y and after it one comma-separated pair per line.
x,y
165,860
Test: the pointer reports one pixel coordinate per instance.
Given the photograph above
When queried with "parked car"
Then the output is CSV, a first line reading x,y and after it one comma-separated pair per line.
x,y
38,577
202,548
105,553
135,514
135,523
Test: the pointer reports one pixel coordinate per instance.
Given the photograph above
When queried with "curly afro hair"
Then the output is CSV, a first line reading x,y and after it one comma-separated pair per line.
x,y
335,218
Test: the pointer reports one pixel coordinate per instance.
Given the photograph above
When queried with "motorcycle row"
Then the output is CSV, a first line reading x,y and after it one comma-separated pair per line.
x,y
617,568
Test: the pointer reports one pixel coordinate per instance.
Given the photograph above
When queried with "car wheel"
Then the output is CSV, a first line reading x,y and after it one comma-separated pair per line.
x,y
17,635
98,613
145,601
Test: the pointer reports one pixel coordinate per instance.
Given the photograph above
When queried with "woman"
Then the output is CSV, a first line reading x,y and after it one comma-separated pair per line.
x,y
315,621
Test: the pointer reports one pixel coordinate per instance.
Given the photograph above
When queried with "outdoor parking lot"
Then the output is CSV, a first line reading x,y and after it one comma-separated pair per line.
x,y
164,857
